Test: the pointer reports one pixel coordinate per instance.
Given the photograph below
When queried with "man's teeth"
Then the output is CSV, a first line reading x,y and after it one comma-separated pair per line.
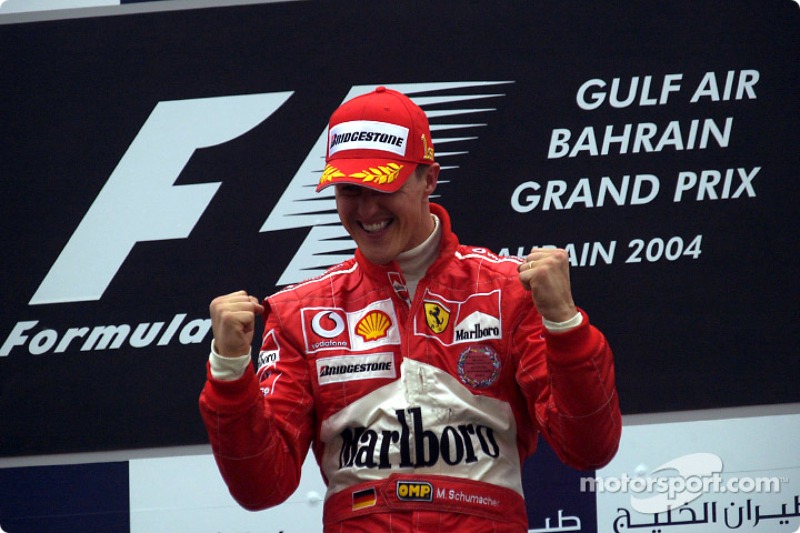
x,y
371,228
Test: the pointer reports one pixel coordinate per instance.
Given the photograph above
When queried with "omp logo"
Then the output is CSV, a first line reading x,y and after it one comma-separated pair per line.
x,y
140,201
414,491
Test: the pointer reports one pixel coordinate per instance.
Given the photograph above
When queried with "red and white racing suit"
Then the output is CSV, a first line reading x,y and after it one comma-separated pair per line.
x,y
420,413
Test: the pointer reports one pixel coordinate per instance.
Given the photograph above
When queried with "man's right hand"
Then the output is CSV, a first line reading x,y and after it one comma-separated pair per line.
x,y
233,320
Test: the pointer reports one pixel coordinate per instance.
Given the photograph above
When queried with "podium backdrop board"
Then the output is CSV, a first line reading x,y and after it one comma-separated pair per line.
x,y
152,161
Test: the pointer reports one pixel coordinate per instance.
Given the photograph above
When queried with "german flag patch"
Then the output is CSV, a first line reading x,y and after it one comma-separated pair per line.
x,y
364,498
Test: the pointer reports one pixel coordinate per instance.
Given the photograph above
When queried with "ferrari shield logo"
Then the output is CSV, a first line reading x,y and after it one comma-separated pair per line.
x,y
436,316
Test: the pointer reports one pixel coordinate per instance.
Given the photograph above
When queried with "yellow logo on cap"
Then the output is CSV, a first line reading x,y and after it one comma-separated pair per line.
x,y
436,316
380,175
427,151
329,174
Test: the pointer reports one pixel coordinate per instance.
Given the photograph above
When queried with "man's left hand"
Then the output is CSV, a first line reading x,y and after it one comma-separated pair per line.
x,y
545,272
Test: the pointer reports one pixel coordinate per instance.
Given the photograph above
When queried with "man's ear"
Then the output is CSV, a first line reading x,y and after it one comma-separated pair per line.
x,y
431,178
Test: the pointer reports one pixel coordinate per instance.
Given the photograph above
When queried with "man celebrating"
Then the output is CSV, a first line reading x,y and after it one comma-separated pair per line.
x,y
421,371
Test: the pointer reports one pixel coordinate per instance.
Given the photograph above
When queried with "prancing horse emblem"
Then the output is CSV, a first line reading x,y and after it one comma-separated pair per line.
x,y
436,316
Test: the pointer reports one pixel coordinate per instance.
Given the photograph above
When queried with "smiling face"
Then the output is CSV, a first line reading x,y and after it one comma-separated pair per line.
x,y
386,224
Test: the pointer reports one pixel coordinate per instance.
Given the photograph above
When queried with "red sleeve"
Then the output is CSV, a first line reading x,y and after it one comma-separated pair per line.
x,y
260,432
568,381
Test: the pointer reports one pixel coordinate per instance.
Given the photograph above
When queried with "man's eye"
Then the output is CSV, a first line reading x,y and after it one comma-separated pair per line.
x,y
349,190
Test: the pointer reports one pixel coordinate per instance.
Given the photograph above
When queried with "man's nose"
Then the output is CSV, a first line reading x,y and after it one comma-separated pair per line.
x,y
369,203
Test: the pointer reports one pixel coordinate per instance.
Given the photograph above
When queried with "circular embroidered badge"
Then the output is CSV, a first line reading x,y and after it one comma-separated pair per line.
x,y
478,366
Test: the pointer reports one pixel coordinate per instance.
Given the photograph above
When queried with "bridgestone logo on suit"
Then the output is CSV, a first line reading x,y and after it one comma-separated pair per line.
x,y
338,369
352,369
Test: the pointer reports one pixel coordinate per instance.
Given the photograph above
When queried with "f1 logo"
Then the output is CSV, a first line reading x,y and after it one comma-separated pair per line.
x,y
140,201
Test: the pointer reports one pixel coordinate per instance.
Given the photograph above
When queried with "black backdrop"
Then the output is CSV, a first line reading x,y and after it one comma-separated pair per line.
x,y
690,330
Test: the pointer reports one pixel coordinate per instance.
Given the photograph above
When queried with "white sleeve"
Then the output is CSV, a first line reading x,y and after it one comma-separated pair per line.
x,y
561,327
227,368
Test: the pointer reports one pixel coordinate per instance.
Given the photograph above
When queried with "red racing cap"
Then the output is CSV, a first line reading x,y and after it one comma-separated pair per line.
x,y
376,140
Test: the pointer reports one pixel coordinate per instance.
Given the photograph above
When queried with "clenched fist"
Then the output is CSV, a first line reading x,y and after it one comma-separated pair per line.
x,y
545,272
233,320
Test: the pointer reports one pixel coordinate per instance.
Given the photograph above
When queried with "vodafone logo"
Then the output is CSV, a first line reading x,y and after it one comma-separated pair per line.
x,y
320,328
325,329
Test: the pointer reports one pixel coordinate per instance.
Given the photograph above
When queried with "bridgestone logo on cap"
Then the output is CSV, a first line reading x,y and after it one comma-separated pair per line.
x,y
368,135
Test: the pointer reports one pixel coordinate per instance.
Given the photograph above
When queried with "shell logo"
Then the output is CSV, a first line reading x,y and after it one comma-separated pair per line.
x,y
374,325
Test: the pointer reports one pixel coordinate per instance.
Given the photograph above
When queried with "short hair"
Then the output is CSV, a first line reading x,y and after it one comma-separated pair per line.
x,y
421,170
